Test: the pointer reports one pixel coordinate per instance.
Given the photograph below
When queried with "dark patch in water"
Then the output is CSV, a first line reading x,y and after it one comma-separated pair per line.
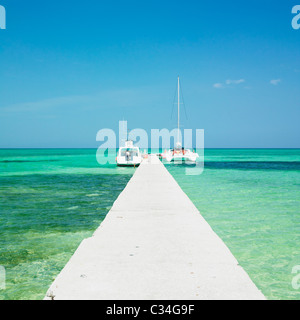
x,y
254,165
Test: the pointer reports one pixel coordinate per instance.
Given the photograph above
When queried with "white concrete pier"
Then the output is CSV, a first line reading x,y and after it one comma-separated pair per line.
x,y
153,244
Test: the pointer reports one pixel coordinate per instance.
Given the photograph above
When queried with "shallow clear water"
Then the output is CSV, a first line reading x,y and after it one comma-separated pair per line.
x,y
251,199
50,200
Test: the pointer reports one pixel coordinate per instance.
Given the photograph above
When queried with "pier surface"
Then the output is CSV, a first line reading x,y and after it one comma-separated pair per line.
x,y
153,244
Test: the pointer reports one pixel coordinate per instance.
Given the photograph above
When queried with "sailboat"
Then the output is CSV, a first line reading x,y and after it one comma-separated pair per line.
x,y
179,154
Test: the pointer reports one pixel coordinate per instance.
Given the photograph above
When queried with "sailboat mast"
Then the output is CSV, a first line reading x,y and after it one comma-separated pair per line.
x,y
178,111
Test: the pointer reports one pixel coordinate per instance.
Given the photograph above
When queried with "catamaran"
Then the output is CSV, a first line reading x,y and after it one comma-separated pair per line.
x,y
179,154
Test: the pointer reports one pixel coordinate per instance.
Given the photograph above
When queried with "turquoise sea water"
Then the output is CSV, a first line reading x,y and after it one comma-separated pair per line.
x,y
251,199
50,200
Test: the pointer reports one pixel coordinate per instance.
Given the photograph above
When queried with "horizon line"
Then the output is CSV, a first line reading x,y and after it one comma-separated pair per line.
x,y
96,148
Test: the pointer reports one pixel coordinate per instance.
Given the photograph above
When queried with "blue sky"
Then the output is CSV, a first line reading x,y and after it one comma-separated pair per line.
x,y
71,68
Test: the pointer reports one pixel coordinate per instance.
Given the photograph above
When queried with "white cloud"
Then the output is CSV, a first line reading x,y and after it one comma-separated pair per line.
x,y
218,85
275,82
229,82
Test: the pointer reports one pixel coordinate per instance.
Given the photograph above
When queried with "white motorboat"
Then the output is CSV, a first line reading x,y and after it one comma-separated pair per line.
x,y
179,154
129,155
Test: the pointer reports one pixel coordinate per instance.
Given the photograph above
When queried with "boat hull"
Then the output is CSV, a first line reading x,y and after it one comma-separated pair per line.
x,y
128,164
183,160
